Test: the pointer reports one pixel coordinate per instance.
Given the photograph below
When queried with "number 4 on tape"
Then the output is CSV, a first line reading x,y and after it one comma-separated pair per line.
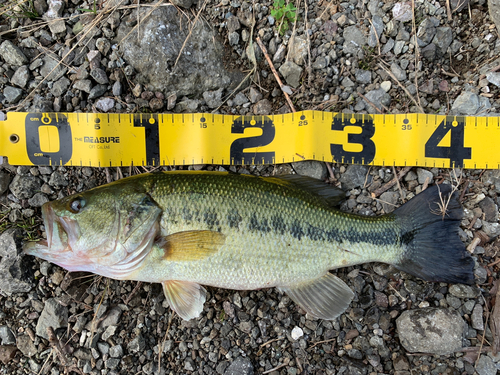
x,y
94,139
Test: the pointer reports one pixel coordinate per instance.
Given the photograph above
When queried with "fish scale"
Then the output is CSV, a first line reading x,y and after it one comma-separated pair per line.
x,y
188,229
246,259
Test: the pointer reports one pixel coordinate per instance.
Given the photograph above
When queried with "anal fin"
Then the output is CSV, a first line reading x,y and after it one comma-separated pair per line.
x,y
323,298
185,298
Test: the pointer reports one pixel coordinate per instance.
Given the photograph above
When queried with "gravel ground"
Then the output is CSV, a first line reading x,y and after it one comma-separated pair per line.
x,y
337,57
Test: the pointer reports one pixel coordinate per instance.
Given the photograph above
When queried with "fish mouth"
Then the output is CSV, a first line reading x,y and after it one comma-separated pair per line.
x,y
49,218
60,232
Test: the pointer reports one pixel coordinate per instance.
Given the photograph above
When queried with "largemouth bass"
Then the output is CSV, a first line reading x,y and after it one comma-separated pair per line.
x,y
188,229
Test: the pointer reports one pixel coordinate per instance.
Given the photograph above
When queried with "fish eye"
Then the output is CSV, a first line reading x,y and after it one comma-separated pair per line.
x,y
76,205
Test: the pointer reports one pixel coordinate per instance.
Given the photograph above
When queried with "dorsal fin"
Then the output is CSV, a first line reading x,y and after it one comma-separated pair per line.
x,y
331,195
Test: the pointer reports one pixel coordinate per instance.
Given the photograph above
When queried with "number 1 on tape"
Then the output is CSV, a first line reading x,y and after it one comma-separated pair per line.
x,y
95,139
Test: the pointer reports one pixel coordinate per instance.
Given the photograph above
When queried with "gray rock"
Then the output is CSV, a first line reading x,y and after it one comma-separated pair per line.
x,y
12,54
57,179
99,75
233,24
463,291
426,32
24,187
7,336
38,200
431,330
83,85
493,177
112,363
429,52
117,88
398,47
60,86
402,11
486,366
491,229
12,94
468,103
240,366
379,98
21,76
213,98
15,267
254,95
494,8
311,168
297,49
187,105
494,78
4,182
480,274
137,344
116,351
183,3
354,176
56,26
53,315
163,32
26,345
55,8
490,209
263,107
320,63
112,317
399,73
105,104
347,82
423,175
388,46
52,69
354,40
103,45
240,99
41,104
234,38
97,91
291,72
374,38
389,199
477,317
189,364
443,39
363,76
280,54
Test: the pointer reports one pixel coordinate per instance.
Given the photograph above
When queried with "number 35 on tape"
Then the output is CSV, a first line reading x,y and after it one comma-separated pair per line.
x,y
94,139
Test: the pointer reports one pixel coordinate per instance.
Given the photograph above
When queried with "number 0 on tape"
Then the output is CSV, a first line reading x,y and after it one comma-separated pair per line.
x,y
95,139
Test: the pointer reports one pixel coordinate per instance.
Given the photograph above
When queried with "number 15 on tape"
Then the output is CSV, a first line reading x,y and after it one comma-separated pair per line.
x,y
94,139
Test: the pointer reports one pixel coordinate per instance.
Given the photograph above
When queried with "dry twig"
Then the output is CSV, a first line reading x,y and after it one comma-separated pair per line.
x,y
278,79
404,88
391,183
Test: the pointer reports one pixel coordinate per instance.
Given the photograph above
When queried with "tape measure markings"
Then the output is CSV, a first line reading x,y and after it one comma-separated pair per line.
x,y
156,139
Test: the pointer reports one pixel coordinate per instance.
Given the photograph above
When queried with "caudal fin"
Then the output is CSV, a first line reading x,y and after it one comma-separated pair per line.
x,y
433,250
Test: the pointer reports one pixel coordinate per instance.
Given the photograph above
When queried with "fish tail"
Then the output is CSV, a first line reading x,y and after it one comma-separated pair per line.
x,y
432,249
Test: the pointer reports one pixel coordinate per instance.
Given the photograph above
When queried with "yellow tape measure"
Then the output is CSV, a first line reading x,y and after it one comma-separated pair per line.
x,y
96,139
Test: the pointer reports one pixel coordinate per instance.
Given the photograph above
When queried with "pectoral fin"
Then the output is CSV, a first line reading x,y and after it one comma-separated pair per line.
x,y
323,298
185,298
191,245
